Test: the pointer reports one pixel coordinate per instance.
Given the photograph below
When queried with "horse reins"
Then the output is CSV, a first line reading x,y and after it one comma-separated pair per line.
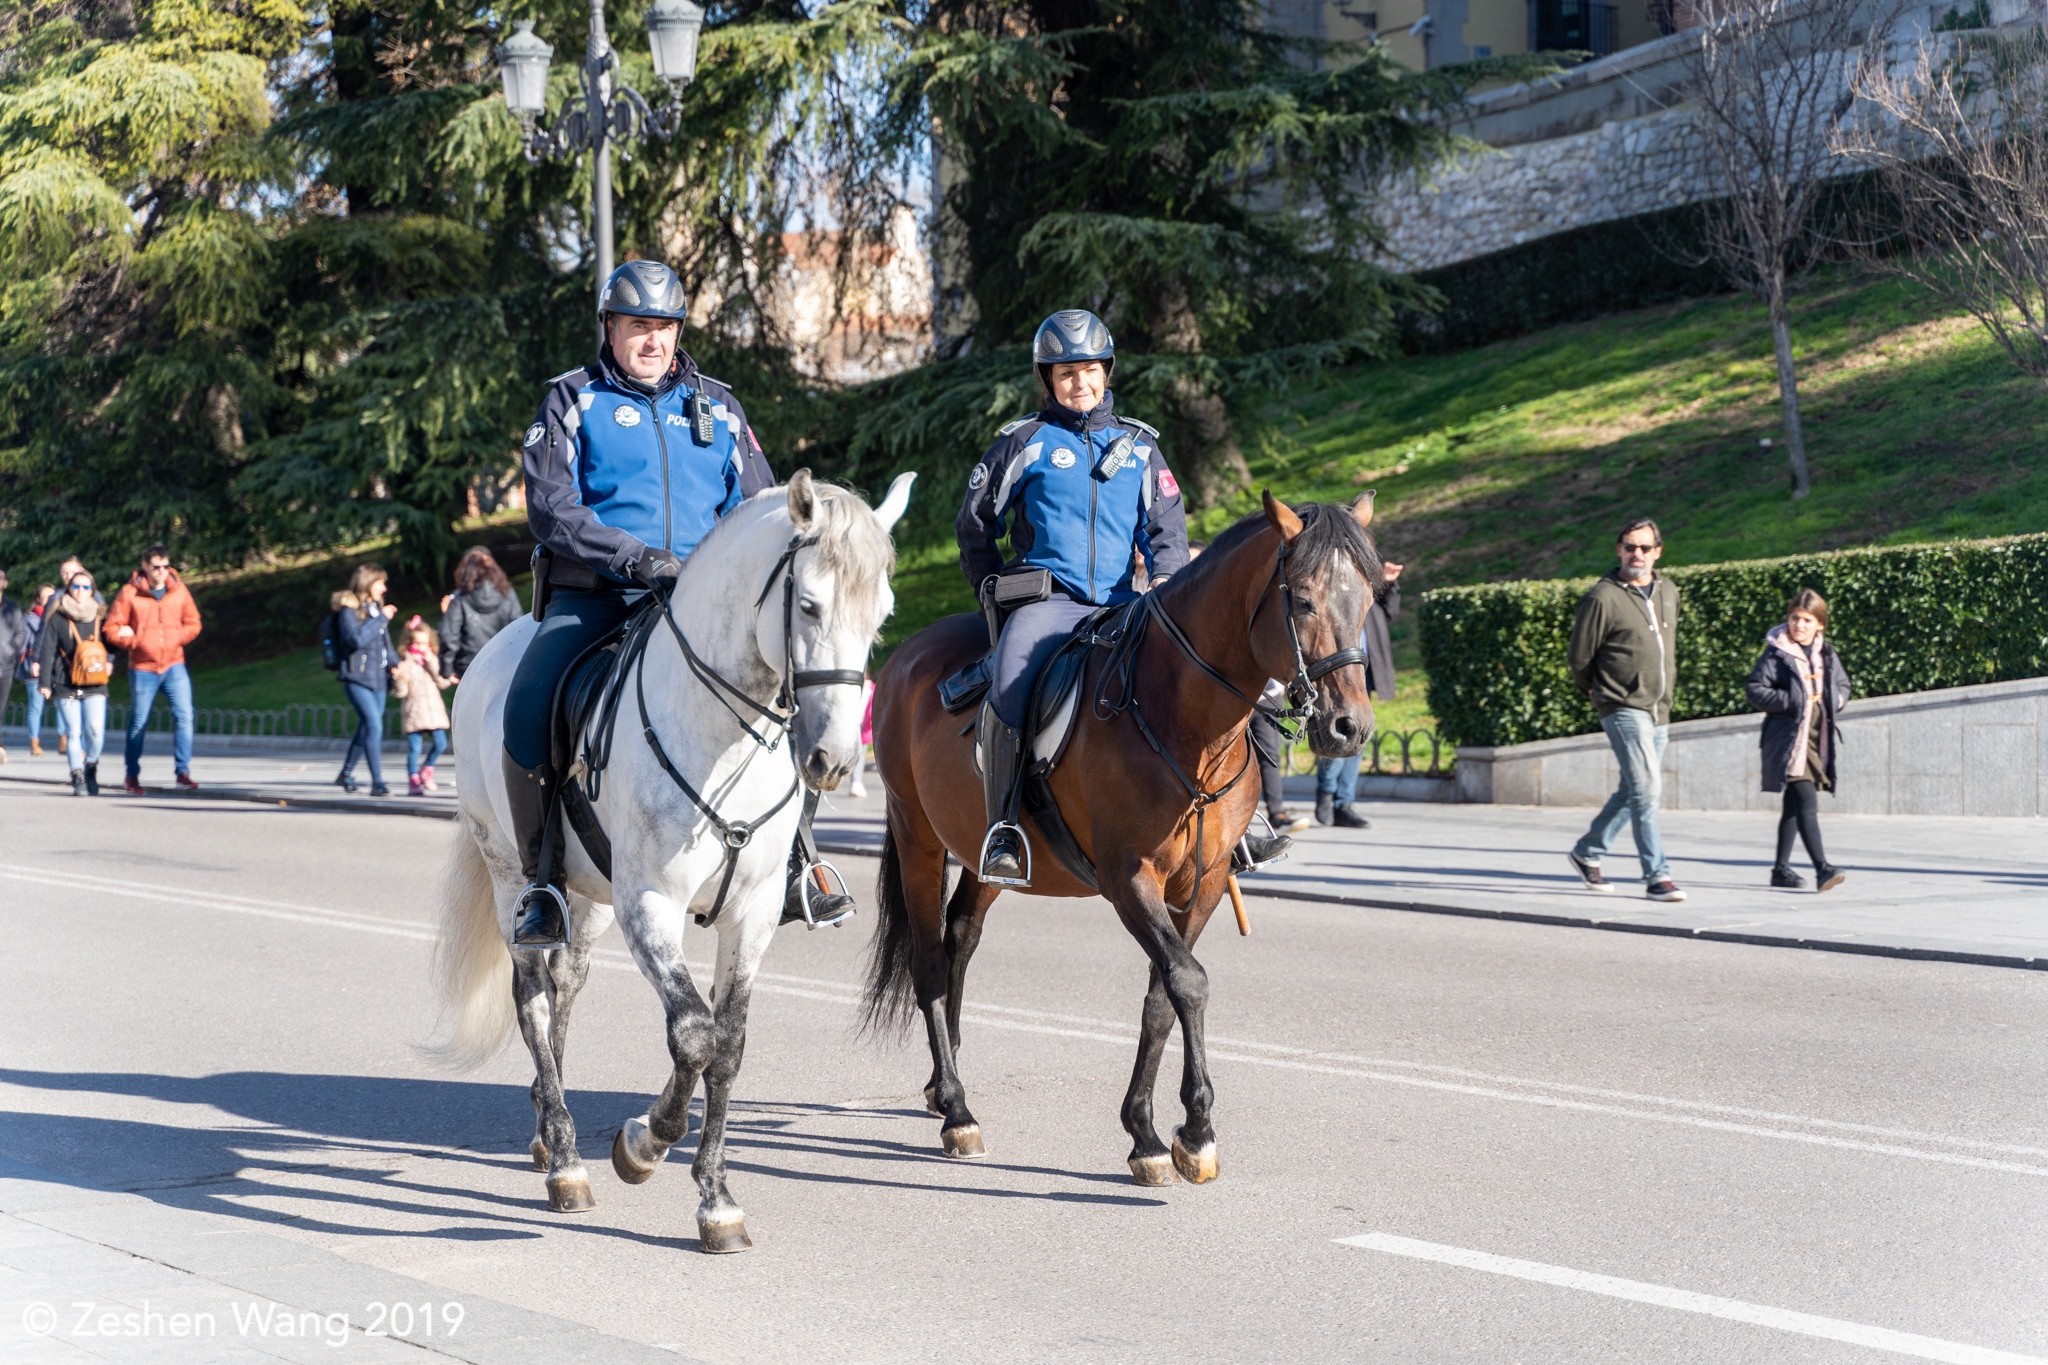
x,y
1125,641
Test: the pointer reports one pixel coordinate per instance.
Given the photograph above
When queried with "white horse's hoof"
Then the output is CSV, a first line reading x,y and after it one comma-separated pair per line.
x,y
570,1192
633,1137
963,1142
1197,1167
727,1235
1153,1170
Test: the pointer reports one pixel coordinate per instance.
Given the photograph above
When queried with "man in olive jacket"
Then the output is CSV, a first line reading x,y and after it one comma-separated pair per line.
x,y
1624,655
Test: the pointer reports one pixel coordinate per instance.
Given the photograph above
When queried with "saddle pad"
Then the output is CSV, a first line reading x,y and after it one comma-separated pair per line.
x,y
575,695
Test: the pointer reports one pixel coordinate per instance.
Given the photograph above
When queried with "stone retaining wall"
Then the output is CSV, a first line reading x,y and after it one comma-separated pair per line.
x,y
1959,751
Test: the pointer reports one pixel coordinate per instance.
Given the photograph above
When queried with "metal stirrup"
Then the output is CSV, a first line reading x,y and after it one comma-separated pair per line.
x,y
525,899
1023,844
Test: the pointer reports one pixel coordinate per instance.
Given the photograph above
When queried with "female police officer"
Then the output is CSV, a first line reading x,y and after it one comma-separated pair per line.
x,y
629,463
1081,487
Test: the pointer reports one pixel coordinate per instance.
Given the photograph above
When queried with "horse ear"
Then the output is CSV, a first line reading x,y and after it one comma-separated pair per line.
x,y
803,499
1281,515
893,506
1361,510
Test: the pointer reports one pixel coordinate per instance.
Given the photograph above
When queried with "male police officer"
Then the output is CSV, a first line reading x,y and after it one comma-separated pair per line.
x,y
1081,487
630,462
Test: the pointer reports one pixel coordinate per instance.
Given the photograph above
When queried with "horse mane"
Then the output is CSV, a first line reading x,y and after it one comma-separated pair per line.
x,y
853,548
1327,530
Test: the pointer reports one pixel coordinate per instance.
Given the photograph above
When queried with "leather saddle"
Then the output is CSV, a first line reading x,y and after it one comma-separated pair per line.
x,y
581,722
1049,724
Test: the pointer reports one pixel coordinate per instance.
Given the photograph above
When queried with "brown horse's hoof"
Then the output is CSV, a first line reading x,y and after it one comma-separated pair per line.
x,y
721,1238
570,1193
540,1154
629,1168
1197,1167
1153,1170
931,1102
964,1141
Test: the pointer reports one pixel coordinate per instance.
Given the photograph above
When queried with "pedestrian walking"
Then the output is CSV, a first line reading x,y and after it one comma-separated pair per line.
x,y
1337,778
69,565
26,668
154,618
1800,685
482,604
417,683
75,671
1269,747
362,632
13,637
1624,652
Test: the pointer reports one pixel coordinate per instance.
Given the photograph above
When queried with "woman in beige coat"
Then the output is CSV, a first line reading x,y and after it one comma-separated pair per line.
x,y
417,683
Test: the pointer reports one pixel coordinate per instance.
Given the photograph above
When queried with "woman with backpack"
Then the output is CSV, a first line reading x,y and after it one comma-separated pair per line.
x,y
362,639
1801,687
74,670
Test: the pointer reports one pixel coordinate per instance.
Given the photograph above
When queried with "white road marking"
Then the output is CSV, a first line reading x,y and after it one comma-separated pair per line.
x,y
1663,1296
1244,1052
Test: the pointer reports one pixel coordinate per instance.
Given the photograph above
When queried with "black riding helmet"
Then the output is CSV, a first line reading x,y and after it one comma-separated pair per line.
x,y
644,289
1068,337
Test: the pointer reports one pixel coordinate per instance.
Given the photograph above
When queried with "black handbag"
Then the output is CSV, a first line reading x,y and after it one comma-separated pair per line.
x,y
1021,587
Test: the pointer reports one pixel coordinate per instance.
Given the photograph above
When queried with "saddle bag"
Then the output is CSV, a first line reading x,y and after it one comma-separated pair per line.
x,y
1020,588
966,687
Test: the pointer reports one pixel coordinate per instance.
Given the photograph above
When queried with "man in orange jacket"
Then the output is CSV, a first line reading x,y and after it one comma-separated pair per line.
x,y
154,618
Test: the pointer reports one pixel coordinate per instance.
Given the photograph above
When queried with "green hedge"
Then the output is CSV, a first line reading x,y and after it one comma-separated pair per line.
x,y
1904,620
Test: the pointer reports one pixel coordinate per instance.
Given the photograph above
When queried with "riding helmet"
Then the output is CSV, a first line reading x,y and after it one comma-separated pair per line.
x,y
644,289
1072,335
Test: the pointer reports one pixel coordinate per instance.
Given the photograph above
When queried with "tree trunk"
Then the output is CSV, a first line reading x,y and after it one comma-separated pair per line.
x,y
1212,462
1788,390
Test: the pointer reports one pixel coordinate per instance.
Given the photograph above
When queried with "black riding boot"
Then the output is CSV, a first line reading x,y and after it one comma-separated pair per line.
x,y
1256,850
542,920
1005,853
808,889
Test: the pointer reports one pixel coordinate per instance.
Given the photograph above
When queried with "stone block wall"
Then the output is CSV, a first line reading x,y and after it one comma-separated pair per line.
x,y
1959,751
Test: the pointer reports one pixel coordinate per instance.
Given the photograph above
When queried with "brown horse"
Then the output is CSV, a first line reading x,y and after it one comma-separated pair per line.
x,y
1150,786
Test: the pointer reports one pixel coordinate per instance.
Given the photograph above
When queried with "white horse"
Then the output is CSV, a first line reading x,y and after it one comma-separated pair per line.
x,y
794,581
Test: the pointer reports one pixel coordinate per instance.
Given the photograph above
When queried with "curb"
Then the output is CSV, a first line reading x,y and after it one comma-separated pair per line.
x,y
869,849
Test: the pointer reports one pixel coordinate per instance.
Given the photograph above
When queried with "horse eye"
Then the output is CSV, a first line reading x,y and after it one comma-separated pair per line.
x,y
1303,607
809,607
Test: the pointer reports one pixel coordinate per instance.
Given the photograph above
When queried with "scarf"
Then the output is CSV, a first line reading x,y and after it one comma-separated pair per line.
x,y
74,608
1808,660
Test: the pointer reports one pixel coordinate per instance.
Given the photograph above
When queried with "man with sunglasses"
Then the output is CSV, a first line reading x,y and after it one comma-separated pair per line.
x,y
154,618
1624,658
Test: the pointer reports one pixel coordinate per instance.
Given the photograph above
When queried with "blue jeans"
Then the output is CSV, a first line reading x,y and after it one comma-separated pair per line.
x,y
431,743
86,741
368,740
176,684
1638,743
35,710
1337,778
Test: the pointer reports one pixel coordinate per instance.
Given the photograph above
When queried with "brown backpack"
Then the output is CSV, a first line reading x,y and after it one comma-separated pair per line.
x,y
90,666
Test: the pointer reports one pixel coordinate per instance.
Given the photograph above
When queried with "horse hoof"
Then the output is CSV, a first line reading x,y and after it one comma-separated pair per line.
x,y
931,1102
963,1142
721,1238
1153,1170
1197,1167
630,1169
540,1154
570,1193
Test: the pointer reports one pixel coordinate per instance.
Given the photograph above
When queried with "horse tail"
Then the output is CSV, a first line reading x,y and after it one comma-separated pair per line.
x,y
472,967
891,1003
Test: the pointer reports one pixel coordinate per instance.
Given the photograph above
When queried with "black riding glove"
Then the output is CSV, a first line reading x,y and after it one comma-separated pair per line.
x,y
655,568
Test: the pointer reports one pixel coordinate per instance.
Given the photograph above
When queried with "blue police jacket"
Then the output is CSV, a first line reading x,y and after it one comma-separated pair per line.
x,y
1050,476
614,467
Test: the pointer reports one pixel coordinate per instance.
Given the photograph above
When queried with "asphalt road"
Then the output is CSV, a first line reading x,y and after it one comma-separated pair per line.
x,y
1556,1146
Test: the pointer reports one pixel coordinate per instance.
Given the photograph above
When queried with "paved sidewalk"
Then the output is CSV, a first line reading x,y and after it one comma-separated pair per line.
x,y
1966,890
93,1275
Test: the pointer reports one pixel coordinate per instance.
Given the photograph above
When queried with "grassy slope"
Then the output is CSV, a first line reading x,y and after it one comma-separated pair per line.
x,y
1520,460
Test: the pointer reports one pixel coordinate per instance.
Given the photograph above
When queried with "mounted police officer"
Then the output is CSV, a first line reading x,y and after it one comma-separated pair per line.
x,y
630,462
1080,487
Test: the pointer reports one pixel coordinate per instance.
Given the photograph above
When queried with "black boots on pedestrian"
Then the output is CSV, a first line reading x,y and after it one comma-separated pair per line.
x,y
78,781
542,917
92,779
1785,879
1326,808
1005,853
1827,877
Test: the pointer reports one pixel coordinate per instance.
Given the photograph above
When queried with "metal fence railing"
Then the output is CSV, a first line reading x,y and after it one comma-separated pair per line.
x,y
300,720
1389,753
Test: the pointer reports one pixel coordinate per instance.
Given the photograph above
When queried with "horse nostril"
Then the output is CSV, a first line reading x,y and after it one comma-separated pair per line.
x,y
1344,728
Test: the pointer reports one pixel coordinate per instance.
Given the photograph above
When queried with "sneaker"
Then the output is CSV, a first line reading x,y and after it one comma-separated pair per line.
x,y
415,784
1664,889
133,786
427,782
1785,879
185,783
1829,877
1289,822
1589,874
380,790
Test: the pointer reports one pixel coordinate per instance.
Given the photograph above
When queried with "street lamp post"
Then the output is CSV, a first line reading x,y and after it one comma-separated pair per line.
x,y
606,112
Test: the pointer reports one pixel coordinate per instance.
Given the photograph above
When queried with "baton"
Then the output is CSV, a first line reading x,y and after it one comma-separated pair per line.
x,y
1244,924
